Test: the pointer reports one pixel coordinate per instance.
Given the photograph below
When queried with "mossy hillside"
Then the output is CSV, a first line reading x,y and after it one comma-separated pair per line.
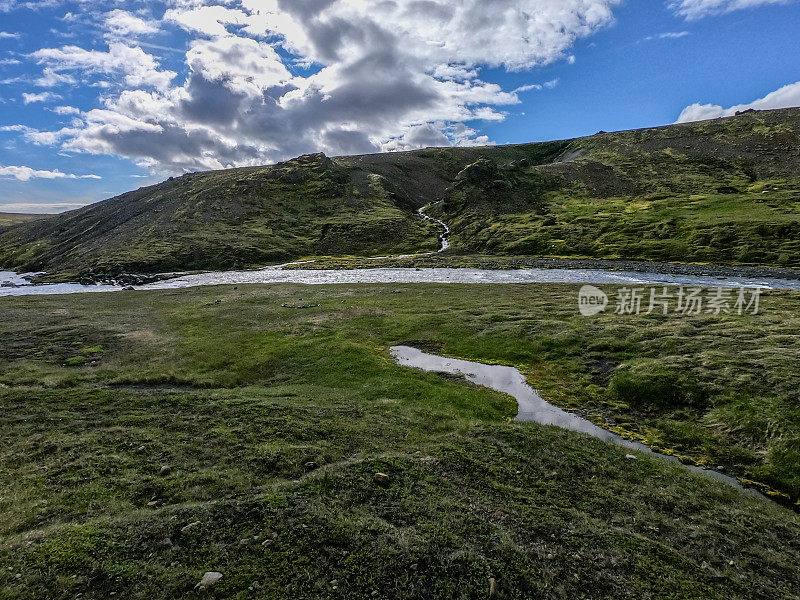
x,y
721,191
274,420
9,219
224,220
724,191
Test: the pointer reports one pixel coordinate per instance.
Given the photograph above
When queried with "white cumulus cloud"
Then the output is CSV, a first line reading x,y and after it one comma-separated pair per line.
x,y
27,173
29,98
123,24
51,78
265,80
786,97
697,9
66,110
131,64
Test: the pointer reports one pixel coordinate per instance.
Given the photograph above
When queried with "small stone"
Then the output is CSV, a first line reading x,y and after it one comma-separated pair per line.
x,y
267,543
155,503
141,449
311,465
244,542
492,587
630,457
374,593
381,478
165,470
334,582
190,526
209,579
166,543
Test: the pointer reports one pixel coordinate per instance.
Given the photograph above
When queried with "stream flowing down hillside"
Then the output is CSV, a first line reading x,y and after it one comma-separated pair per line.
x,y
444,237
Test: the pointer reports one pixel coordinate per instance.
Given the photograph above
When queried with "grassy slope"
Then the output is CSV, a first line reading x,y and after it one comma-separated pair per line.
x,y
9,219
223,220
723,191
275,419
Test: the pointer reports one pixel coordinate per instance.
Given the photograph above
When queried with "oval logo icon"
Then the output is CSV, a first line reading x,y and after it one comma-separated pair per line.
x,y
591,301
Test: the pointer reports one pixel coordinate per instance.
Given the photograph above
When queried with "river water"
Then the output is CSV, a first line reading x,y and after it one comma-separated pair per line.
x,y
279,274
532,407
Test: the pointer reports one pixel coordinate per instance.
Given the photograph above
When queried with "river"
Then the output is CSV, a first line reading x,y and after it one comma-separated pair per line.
x,y
271,275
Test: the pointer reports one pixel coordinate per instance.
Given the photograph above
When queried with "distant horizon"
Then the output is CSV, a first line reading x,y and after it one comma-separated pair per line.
x,y
100,97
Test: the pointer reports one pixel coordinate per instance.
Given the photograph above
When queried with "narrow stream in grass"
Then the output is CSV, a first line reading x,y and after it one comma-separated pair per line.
x,y
532,407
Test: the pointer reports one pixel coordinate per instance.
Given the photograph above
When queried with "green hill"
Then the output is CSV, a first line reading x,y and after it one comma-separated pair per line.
x,y
724,191
9,219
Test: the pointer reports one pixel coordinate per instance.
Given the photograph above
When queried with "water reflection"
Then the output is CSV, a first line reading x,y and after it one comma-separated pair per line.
x,y
531,406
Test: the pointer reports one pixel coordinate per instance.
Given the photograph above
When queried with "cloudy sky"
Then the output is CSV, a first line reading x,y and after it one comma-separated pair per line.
x,y
101,96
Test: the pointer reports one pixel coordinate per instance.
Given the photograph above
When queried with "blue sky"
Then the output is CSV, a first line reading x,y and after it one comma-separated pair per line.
x,y
98,97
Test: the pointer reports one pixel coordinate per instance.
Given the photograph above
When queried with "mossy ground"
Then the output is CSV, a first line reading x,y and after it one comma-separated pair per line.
x,y
274,421
761,225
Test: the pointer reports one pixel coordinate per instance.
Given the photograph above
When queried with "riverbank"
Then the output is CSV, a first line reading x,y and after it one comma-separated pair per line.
x,y
150,437
479,261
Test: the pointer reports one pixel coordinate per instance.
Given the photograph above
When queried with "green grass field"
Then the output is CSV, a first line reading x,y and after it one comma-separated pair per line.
x,y
273,420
